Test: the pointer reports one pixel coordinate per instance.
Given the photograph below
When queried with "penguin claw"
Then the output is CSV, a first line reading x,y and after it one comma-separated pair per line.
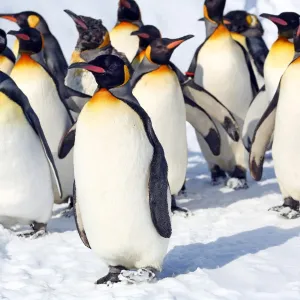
x,y
237,184
286,212
33,234
218,181
179,211
139,276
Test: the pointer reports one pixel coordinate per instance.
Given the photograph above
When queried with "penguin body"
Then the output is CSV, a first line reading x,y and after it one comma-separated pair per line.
x,y
281,119
139,237
129,20
42,92
25,176
7,58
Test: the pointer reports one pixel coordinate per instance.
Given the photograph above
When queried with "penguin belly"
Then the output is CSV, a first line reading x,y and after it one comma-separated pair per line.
x,y
79,79
43,96
280,56
112,157
286,142
160,94
25,180
6,65
222,70
123,41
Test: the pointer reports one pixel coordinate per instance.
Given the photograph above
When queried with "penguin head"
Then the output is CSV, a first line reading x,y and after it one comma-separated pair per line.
x,y
161,50
213,10
3,40
147,35
109,71
242,22
28,19
92,33
30,40
297,39
286,23
129,11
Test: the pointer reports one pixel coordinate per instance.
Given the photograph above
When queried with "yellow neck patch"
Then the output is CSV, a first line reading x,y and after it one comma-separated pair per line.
x,y
106,41
239,38
220,32
101,99
126,75
206,15
33,21
76,57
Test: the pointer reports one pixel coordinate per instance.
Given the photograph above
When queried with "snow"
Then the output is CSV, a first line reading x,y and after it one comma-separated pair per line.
x,y
232,248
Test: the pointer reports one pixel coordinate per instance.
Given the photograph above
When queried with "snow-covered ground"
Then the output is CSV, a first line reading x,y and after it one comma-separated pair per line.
x,y
232,248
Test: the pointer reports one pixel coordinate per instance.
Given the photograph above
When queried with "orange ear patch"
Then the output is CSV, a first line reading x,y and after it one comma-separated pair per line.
x,y
33,21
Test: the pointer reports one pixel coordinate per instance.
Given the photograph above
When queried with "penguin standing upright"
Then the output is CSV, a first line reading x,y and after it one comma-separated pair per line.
x,y
278,59
158,90
93,41
281,120
26,195
129,20
41,89
7,58
217,64
112,185
246,29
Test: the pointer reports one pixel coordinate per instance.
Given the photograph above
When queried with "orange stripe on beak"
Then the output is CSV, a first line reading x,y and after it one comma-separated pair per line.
x,y
10,18
226,22
175,44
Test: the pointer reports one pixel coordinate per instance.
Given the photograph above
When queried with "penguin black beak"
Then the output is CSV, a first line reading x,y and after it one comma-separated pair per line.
x,y
176,42
10,17
125,3
86,66
76,19
141,34
275,19
19,35
201,19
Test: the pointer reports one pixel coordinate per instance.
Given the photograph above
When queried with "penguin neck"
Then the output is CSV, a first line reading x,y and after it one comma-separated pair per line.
x,y
43,28
210,27
239,38
220,32
102,95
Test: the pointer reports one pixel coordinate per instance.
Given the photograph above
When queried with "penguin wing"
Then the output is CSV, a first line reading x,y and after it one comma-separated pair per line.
x,y
72,97
9,88
193,66
158,181
257,107
144,67
9,54
262,136
197,96
253,80
67,142
259,51
78,220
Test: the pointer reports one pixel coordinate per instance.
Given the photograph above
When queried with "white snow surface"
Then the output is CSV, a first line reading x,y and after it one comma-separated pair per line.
x,y
232,248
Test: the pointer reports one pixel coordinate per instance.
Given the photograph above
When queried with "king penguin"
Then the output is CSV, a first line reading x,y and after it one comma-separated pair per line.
x,y
121,176
42,92
129,20
217,63
7,58
246,29
93,41
278,59
158,90
26,163
281,120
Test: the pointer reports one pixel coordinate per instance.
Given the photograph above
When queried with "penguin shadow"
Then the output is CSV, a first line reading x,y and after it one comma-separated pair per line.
x,y
186,259
200,194
60,223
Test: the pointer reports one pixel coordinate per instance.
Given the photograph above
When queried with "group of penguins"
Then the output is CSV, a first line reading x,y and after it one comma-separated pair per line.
x,y
108,132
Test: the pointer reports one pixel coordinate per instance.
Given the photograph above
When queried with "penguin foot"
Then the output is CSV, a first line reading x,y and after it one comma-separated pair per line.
x,y
218,176
112,277
139,276
39,230
218,180
68,213
183,190
289,209
176,210
237,183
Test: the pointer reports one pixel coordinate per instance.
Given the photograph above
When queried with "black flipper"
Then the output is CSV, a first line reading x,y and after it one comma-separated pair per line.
x,y
259,51
198,96
67,142
9,54
78,220
144,67
193,66
254,84
158,181
9,88
262,136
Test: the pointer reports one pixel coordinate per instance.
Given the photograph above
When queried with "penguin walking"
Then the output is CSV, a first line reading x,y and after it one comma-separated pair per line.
x,y
280,56
41,88
26,163
246,29
7,58
93,41
112,184
217,63
281,120
158,90
129,20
